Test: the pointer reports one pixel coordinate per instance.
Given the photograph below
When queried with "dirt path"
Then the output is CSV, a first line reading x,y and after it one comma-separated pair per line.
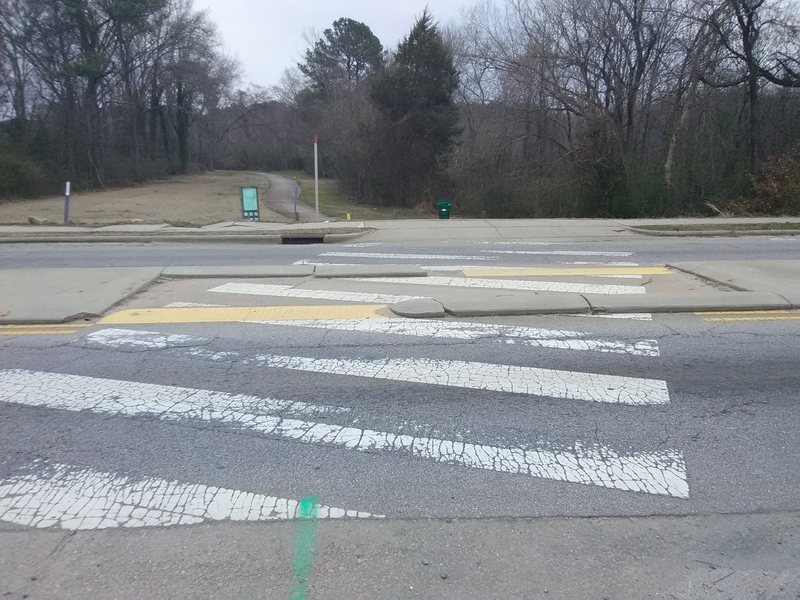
x,y
201,199
280,198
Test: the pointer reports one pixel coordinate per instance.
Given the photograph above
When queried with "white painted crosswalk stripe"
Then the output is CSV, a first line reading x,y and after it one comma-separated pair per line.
x,y
517,243
287,291
351,264
76,392
192,305
561,252
572,385
505,334
76,498
129,338
403,256
533,381
662,473
631,316
511,284
598,263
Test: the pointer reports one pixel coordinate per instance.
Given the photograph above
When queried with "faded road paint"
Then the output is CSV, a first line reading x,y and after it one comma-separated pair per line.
x,y
76,498
511,284
631,316
39,332
77,392
760,318
662,472
533,381
287,291
192,305
49,329
407,256
563,271
461,330
560,252
240,314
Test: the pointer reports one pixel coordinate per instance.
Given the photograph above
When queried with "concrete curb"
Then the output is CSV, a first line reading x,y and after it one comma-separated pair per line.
x,y
336,271
676,303
526,304
716,232
141,239
212,238
234,271
132,281
717,280
338,238
513,304
424,308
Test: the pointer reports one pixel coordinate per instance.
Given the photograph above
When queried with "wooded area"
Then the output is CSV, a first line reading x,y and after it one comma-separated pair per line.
x,y
523,108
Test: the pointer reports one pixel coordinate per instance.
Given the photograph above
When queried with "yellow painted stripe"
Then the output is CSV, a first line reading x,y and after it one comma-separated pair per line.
x,y
56,326
563,272
241,314
733,319
750,312
39,332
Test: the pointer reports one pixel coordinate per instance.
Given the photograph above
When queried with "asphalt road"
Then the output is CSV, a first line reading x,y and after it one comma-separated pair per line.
x,y
729,425
535,457
645,250
731,412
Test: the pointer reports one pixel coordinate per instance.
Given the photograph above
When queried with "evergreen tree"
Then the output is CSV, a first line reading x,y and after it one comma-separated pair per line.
x,y
419,120
344,56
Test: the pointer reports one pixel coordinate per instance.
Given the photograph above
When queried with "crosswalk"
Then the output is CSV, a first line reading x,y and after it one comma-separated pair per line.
x,y
510,284
76,498
480,365
53,494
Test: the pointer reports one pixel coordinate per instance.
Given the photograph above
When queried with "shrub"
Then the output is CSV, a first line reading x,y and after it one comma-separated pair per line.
x,y
777,188
19,177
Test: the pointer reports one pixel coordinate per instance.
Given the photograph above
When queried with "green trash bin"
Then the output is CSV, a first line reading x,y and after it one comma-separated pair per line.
x,y
444,207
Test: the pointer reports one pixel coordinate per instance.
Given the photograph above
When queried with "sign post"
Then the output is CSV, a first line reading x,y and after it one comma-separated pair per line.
x,y
249,196
296,194
66,204
316,177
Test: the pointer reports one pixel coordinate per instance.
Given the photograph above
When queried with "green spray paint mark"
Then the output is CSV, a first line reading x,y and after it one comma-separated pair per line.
x,y
305,531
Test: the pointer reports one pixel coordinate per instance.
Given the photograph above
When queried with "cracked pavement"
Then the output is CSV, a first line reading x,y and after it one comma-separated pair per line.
x,y
558,457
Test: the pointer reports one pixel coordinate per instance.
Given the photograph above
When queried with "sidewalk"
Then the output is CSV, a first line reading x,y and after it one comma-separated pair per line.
x,y
403,230
60,295
226,231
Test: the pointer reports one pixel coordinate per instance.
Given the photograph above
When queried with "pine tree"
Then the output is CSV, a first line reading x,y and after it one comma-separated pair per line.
x,y
419,120
344,56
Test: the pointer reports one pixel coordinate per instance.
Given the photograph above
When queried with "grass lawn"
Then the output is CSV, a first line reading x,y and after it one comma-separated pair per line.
x,y
334,203
723,226
183,201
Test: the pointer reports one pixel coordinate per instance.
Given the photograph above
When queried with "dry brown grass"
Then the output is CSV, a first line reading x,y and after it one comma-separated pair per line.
x,y
186,200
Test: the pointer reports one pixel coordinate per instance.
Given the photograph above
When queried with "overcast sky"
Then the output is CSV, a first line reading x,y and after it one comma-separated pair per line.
x,y
267,35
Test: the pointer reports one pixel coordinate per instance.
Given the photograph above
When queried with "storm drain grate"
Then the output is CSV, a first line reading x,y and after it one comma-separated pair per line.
x,y
303,240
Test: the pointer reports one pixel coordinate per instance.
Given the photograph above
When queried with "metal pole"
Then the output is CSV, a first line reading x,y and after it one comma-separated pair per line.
x,y
296,194
316,177
66,204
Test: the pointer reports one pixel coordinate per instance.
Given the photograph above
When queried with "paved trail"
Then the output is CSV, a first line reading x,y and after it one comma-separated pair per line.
x,y
280,198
